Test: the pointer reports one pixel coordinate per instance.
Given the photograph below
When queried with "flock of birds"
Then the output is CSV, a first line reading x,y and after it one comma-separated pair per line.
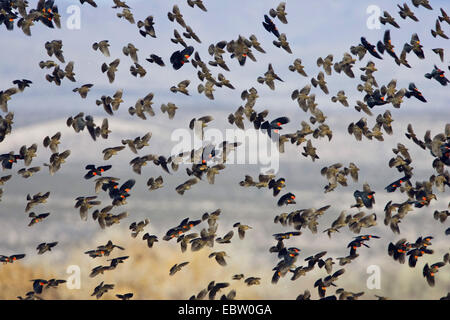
x,y
210,160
